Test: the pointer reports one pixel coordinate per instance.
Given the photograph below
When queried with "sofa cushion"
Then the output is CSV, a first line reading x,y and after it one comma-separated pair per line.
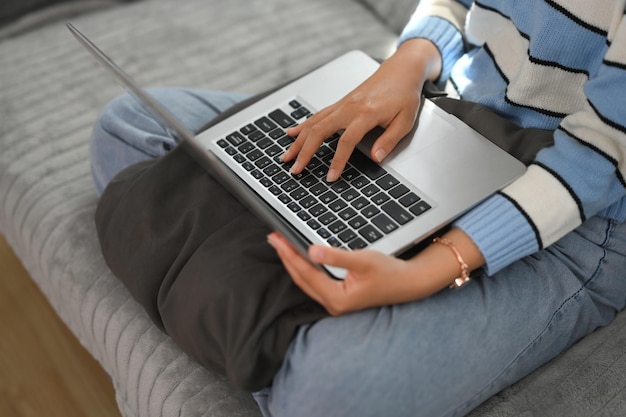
x,y
51,91
18,16
394,13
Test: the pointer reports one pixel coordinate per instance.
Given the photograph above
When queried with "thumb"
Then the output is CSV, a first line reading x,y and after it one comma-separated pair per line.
x,y
350,260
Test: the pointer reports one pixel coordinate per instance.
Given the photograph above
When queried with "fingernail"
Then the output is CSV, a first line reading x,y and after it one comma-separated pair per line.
x,y
380,155
295,168
332,175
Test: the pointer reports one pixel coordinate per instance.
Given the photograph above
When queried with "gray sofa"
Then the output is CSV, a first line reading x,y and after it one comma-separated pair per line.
x,y
50,94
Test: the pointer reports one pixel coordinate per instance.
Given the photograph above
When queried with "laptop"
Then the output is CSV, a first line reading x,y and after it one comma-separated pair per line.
x,y
437,172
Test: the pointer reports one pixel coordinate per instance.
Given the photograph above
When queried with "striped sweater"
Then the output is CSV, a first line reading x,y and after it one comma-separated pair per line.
x,y
550,64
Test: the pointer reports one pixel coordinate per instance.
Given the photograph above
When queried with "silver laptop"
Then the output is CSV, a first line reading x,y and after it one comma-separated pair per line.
x,y
440,170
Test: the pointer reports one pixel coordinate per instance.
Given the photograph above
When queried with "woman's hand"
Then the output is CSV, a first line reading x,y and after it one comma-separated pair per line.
x,y
375,279
390,98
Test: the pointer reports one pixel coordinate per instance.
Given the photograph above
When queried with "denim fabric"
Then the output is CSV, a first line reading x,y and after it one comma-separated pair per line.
x,y
127,132
441,356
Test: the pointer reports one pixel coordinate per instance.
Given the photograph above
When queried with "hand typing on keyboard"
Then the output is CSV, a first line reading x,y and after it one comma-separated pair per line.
x,y
390,98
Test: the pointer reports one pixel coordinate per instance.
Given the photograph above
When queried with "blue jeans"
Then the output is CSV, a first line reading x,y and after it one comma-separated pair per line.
x,y
441,356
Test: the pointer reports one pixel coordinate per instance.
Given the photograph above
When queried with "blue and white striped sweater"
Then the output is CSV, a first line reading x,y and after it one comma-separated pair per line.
x,y
549,64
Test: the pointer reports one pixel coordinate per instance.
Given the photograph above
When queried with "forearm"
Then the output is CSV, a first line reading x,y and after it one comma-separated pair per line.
x,y
417,60
437,266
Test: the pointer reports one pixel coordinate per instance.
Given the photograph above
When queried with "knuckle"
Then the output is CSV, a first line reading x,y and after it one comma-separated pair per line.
x,y
336,307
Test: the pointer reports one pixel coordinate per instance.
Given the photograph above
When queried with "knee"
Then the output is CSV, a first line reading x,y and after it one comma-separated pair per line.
x,y
116,114
330,374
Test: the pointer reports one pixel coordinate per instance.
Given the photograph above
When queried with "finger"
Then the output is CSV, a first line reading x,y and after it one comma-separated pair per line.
x,y
301,134
315,135
394,133
348,141
300,270
357,261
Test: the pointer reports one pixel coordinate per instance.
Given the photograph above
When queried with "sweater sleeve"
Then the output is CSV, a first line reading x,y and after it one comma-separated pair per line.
x,y
582,175
442,22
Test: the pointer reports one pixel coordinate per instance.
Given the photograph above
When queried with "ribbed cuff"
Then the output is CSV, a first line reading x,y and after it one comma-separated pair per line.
x,y
501,232
443,34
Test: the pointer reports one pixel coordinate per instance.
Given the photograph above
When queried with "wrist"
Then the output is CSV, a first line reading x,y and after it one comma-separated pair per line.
x,y
420,55
437,266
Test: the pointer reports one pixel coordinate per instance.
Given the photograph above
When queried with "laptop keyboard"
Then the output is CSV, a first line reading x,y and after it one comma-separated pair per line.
x,y
353,212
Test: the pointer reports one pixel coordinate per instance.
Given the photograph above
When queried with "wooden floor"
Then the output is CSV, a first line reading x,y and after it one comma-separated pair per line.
x,y
44,371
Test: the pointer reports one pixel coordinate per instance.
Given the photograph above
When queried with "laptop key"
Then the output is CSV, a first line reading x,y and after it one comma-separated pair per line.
x,y
370,233
327,218
313,224
284,198
357,243
337,205
235,138
317,210
280,177
248,166
420,208
289,186
254,155
399,191
350,194
298,193
347,213
271,170
357,222
324,233
308,181
409,199
318,189
360,181
387,182
396,212
293,206
350,174
263,162
247,129
256,135
266,182
359,203
275,190
384,223
370,190
265,124
281,118
285,141
264,143
370,211
274,150
328,197
347,235
333,241
222,143
380,198
340,186
308,202
276,133
245,147
304,216
370,168
337,227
